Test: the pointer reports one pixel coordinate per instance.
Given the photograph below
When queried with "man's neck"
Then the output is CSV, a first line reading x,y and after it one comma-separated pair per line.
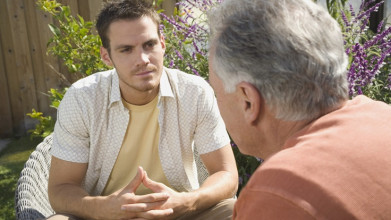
x,y
287,129
278,132
140,98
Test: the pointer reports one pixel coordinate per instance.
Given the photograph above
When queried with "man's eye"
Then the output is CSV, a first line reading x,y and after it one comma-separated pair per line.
x,y
125,50
150,44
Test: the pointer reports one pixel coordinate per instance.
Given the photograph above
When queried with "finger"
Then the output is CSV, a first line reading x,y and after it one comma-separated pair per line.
x,y
155,214
136,181
142,207
148,198
154,186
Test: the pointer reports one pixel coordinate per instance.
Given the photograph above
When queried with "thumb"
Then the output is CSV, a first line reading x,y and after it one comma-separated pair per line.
x,y
152,185
136,181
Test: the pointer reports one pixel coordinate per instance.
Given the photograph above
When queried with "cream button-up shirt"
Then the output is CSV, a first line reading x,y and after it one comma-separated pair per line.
x,y
92,121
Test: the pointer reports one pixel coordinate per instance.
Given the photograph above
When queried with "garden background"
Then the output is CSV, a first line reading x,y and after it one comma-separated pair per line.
x,y
44,49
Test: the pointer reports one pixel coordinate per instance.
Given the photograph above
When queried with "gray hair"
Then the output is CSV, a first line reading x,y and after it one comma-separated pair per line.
x,y
291,50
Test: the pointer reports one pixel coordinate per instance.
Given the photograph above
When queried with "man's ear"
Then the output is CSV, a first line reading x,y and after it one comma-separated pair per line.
x,y
163,42
105,56
250,101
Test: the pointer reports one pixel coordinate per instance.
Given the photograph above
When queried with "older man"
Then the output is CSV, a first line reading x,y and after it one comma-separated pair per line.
x,y
278,69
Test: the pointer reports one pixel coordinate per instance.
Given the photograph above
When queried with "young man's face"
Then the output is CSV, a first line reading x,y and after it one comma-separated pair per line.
x,y
136,51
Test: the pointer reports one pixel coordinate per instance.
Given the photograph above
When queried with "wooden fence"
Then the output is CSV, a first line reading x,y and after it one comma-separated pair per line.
x,y
26,71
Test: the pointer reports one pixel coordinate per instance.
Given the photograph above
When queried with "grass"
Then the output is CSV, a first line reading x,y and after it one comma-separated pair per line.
x,y
12,160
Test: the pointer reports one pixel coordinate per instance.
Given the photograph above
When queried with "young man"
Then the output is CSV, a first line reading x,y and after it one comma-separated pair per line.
x,y
140,141
279,72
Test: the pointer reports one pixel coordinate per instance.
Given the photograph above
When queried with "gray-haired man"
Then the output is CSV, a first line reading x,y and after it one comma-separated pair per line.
x,y
278,68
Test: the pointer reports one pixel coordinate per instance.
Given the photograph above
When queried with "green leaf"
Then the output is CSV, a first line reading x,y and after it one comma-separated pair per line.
x,y
55,30
188,41
81,19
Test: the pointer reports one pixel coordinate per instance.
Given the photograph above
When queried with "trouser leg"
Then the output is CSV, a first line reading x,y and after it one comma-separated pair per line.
x,y
62,217
221,211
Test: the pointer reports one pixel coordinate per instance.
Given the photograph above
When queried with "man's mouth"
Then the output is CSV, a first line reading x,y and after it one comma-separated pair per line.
x,y
144,73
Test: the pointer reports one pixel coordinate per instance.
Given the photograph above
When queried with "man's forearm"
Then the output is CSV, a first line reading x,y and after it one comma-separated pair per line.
x,y
71,199
222,182
218,186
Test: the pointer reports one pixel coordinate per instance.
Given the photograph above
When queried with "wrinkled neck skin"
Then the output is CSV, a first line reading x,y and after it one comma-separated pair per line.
x,y
275,132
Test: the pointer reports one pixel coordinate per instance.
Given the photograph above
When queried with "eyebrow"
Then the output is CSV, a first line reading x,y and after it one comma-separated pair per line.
x,y
121,46
155,41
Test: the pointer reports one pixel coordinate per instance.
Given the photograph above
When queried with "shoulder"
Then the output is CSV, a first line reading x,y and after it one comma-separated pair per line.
x,y
301,165
300,183
183,79
364,105
184,84
89,91
93,85
191,89
95,80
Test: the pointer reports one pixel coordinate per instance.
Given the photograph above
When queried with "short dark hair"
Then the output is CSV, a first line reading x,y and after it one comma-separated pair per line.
x,y
123,10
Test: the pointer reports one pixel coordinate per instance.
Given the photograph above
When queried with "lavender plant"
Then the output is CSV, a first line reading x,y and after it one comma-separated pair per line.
x,y
186,36
369,53
334,7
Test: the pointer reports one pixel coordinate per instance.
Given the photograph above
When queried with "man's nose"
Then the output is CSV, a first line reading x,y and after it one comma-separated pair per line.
x,y
142,58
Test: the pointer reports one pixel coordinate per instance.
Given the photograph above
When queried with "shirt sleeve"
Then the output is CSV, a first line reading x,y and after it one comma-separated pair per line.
x,y
285,191
71,136
254,204
274,194
210,133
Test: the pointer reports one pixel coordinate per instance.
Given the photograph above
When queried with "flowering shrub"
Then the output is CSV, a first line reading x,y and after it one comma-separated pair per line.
x,y
369,53
186,36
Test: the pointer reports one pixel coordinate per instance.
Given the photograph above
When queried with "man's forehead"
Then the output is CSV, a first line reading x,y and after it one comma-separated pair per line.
x,y
144,20
121,34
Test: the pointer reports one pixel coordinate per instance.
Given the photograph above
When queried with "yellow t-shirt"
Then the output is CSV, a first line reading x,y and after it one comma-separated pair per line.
x,y
140,147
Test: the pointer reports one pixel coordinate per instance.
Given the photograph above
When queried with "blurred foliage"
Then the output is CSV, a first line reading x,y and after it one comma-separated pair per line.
x,y
73,40
12,160
45,125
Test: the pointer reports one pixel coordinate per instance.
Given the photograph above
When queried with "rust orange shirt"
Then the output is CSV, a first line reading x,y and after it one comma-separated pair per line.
x,y
338,167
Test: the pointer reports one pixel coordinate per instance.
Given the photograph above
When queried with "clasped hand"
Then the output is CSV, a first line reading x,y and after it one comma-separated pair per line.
x,y
163,203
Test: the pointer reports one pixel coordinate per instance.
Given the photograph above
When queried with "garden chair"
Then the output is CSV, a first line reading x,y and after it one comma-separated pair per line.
x,y
31,197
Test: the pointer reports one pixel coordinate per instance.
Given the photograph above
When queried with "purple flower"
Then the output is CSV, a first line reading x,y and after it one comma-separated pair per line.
x,y
195,72
179,54
380,26
367,51
351,10
370,10
187,38
345,19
